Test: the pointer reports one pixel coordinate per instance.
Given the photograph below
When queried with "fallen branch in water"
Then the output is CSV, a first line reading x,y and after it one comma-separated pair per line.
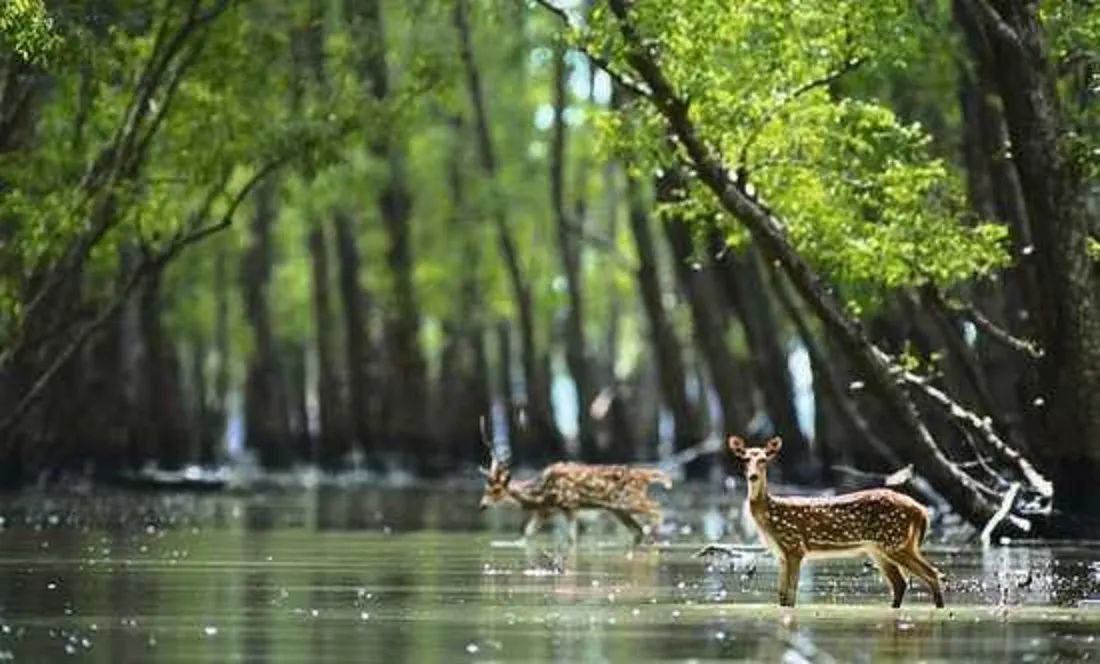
x,y
1001,514
984,426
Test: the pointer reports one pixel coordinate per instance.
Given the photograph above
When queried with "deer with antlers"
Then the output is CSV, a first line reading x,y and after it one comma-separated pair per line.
x,y
883,524
569,487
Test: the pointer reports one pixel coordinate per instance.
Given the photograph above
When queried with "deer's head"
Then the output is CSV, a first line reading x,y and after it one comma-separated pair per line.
x,y
756,461
497,476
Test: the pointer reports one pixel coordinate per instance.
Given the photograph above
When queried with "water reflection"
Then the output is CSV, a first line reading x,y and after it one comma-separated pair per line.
x,y
418,575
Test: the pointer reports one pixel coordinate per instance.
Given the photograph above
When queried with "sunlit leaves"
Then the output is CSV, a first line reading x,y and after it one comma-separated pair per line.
x,y
27,28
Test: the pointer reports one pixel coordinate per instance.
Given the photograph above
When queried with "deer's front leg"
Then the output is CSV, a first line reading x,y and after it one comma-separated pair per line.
x,y
790,564
574,527
531,528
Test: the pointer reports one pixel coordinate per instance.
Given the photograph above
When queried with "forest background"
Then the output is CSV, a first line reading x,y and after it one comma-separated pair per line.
x,y
337,232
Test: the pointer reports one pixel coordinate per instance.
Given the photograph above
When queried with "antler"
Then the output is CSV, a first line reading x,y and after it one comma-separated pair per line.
x,y
495,461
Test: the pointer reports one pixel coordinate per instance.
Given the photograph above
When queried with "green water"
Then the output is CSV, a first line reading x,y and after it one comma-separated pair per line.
x,y
420,576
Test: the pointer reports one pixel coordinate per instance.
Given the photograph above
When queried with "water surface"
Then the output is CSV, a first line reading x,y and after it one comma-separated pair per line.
x,y
332,575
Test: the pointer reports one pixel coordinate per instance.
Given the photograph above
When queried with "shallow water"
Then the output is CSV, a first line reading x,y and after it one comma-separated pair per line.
x,y
415,575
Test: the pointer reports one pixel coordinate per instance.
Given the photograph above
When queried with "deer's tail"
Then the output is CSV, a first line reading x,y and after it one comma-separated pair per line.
x,y
921,528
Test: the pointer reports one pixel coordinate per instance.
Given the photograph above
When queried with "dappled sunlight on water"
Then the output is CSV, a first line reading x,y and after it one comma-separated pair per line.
x,y
414,575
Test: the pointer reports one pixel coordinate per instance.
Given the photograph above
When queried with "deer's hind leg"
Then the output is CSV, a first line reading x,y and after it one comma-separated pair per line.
x,y
893,575
630,522
915,563
574,527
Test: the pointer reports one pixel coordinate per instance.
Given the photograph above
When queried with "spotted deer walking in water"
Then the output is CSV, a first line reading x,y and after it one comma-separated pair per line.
x,y
568,487
885,525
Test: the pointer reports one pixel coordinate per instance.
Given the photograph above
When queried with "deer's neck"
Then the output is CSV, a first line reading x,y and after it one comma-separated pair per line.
x,y
760,501
522,493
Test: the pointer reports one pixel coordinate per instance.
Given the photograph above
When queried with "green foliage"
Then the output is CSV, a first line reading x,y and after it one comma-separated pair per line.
x,y
27,29
859,192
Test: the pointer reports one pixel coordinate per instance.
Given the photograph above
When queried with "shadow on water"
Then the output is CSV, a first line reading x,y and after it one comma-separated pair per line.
x,y
420,575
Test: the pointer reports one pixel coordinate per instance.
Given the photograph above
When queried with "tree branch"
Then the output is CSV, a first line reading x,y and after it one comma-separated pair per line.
x,y
1003,337
1040,484
626,82
148,266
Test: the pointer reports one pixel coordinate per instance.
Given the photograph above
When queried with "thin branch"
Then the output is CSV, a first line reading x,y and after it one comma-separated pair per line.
x,y
1035,479
625,81
849,65
996,333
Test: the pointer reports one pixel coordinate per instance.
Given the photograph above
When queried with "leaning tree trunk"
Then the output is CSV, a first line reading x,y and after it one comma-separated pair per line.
x,y
405,396
961,490
1051,163
672,373
540,423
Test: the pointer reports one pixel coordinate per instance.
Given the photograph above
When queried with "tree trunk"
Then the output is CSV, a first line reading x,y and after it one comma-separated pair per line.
x,y
220,412
1054,182
267,429
569,249
167,439
332,440
503,330
540,423
405,371
362,405
296,385
672,372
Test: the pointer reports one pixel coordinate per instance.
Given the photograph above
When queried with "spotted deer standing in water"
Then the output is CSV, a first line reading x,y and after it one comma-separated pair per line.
x,y
883,524
568,487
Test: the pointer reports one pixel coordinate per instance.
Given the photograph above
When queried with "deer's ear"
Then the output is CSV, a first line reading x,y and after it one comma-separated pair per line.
x,y
737,446
773,446
485,472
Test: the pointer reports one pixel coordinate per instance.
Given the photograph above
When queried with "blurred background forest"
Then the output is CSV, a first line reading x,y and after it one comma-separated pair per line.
x,y
334,233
